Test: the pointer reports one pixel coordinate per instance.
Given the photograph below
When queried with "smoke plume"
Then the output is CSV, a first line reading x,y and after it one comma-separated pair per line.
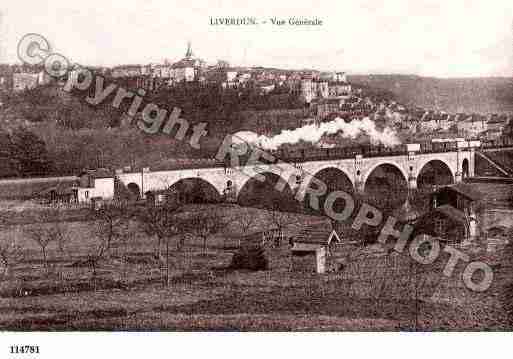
x,y
313,133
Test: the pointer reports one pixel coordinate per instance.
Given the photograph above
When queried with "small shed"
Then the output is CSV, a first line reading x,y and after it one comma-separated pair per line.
x,y
317,235
308,258
311,247
465,199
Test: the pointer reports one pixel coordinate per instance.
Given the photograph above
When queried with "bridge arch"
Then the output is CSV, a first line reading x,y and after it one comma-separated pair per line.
x,y
385,185
435,172
388,164
335,179
256,193
315,171
195,190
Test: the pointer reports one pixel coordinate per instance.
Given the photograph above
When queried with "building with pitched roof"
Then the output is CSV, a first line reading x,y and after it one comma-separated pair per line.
x,y
454,216
95,183
189,68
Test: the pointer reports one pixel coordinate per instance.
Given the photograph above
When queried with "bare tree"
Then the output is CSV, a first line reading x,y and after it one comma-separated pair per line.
x,y
9,253
280,220
125,244
164,223
204,224
42,239
159,221
48,229
56,228
245,219
110,220
10,250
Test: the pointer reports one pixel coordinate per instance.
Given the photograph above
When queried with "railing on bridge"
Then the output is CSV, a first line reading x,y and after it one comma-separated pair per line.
x,y
186,163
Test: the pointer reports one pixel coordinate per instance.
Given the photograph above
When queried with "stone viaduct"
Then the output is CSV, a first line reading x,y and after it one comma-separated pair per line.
x,y
460,161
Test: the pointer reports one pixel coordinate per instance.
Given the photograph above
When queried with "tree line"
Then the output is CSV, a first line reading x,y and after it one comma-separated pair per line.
x,y
23,154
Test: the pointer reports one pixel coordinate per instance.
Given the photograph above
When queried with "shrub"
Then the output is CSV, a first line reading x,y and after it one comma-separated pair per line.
x,y
250,258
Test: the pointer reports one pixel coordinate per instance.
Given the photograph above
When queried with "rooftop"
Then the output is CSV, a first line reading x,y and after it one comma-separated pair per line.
x,y
463,189
316,233
451,212
99,173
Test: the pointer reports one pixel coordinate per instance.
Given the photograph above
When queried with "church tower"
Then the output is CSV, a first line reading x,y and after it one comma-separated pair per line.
x,y
189,53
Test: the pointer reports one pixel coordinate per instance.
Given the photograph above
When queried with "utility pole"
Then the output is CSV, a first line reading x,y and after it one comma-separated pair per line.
x,y
142,182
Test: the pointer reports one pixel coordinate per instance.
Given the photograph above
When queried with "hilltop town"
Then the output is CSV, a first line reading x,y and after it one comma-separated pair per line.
x,y
323,93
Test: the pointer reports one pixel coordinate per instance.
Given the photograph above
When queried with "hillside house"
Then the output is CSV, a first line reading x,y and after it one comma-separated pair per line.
x,y
454,215
95,183
326,107
472,125
429,122
445,222
308,90
497,123
126,71
446,121
491,134
339,88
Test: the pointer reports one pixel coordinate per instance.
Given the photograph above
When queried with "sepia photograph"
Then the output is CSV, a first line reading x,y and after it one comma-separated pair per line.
x,y
230,166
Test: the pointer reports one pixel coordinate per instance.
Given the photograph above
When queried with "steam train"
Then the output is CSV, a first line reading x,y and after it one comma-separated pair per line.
x,y
313,154
497,143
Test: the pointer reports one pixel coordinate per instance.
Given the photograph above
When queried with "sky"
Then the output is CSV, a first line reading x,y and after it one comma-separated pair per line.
x,y
441,38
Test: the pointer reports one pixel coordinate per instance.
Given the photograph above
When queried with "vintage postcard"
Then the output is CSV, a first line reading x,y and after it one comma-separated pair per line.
x,y
294,166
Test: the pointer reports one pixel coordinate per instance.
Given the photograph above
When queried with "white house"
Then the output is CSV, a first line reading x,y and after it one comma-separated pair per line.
x,y
472,125
94,184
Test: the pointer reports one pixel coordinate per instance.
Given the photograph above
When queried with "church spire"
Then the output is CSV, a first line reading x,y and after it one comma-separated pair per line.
x,y
188,54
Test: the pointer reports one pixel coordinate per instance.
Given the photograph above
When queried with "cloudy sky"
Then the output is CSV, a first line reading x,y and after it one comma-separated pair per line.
x,y
445,38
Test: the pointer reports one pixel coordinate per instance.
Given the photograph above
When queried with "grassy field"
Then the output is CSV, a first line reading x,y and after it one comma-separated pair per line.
x,y
129,291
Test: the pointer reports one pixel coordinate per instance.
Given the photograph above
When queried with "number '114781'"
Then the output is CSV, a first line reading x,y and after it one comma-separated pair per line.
x,y
24,349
